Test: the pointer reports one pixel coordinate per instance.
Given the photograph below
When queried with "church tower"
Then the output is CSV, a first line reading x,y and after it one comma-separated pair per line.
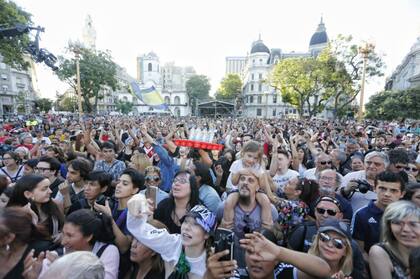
x,y
319,39
148,69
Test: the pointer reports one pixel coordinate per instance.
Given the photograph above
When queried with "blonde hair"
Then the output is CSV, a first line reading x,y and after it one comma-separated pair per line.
x,y
346,262
141,162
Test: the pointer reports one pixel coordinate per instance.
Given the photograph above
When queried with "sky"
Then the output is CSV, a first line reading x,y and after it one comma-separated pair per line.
x,y
202,33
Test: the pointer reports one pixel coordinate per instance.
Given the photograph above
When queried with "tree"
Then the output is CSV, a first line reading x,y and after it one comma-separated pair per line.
x,y
124,106
198,87
43,104
300,82
343,71
12,48
97,72
390,105
230,87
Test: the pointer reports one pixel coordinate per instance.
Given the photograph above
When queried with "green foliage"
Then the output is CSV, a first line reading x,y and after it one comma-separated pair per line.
x,y
300,82
230,87
390,105
43,104
198,88
64,103
12,49
344,71
97,72
124,106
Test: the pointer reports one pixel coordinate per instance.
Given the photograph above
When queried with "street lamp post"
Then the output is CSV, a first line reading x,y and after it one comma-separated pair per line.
x,y
76,51
364,50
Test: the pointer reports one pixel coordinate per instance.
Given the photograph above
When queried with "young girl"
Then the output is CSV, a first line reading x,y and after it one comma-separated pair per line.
x,y
251,157
184,254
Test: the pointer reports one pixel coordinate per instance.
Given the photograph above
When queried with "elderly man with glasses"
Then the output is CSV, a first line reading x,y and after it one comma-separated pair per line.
x,y
357,186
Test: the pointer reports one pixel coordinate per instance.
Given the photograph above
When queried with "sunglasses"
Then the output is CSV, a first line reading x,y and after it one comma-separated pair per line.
x,y
152,178
325,162
338,243
329,211
413,169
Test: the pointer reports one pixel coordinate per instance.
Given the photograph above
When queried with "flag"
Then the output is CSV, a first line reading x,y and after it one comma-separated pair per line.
x,y
150,96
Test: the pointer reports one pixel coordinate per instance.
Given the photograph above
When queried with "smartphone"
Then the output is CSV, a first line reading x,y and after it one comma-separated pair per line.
x,y
223,240
153,190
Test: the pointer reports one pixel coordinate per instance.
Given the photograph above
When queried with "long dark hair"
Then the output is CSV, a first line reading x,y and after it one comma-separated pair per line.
x,y
29,183
98,225
194,199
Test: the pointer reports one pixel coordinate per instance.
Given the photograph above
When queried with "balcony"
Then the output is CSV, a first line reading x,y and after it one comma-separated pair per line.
x,y
20,85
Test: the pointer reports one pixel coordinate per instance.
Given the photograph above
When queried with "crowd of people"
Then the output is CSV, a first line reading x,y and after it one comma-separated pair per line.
x,y
286,198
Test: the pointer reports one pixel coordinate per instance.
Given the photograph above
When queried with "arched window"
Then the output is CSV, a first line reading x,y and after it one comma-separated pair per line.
x,y
167,100
177,100
149,67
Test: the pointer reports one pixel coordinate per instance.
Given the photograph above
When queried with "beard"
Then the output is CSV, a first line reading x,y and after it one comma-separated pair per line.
x,y
326,191
244,199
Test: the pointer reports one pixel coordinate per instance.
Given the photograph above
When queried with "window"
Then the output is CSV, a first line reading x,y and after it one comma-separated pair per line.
x,y
274,112
259,112
260,61
252,88
259,101
294,111
252,77
167,100
260,76
3,76
274,99
260,87
177,100
5,88
149,67
251,99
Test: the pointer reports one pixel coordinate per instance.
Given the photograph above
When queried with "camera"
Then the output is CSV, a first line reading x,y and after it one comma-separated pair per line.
x,y
223,240
363,186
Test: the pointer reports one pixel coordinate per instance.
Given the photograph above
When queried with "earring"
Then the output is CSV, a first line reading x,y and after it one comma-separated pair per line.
x,y
7,247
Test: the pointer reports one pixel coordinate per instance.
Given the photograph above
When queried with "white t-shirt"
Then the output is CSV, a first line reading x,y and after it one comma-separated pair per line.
x,y
169,246
281,179
310,174
235,168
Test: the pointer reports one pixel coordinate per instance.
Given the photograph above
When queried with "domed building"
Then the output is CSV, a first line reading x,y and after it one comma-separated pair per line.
x,y
259,99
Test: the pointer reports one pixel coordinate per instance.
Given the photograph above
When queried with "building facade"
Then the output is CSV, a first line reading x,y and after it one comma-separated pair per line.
x,y
258,98
407,74
168,79
17,89
235,65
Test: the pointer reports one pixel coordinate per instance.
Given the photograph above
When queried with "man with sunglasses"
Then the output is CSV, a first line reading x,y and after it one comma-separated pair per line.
x,y
153,179
366,223
323,161
326,209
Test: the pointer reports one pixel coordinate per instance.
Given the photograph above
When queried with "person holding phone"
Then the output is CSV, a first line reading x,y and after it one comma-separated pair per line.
x,y
152,182
184,254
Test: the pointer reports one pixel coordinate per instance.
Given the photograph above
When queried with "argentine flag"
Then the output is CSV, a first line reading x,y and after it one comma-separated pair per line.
x,y
149,96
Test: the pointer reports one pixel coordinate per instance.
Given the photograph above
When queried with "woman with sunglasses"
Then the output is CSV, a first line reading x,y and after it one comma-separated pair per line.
x,y
400,234
184,196
152,182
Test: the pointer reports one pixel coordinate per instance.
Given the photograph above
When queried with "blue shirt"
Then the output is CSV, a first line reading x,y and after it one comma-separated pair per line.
x,y
167,166
366,225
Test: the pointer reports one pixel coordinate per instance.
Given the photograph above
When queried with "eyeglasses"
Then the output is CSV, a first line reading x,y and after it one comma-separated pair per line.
x,y
325,162
338,243
181,180
152,178
413,169
329,211
7,158
413,225
41,169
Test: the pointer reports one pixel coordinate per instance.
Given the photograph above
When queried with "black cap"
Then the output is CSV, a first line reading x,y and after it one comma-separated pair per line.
x,y
337,226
